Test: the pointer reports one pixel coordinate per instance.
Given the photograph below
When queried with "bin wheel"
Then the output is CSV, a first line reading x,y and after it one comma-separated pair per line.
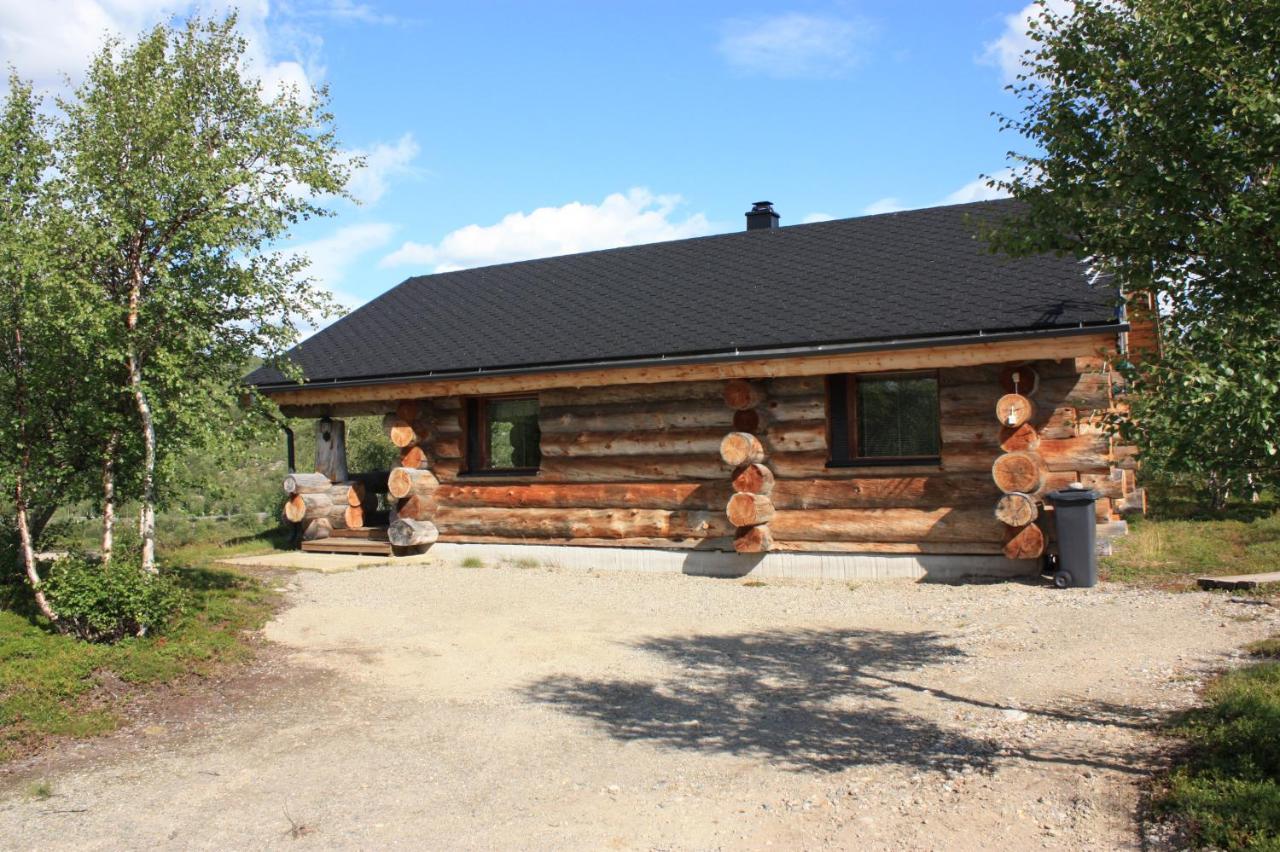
x,y
1063,580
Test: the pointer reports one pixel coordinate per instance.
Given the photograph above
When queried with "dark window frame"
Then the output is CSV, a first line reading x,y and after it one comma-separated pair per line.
x,y
844,445
477,436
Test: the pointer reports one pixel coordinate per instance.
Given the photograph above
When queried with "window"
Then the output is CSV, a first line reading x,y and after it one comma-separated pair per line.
x,y
503,435
883,419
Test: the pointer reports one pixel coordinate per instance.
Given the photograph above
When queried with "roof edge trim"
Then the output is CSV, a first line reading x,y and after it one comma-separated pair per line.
x,y
705,358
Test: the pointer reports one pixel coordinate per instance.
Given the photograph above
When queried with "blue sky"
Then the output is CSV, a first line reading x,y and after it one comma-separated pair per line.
x,y
499,131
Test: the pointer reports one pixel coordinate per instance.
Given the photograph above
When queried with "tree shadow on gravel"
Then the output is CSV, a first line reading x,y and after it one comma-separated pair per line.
x,y
804,700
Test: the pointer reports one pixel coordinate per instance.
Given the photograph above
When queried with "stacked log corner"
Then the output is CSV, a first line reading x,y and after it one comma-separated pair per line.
x,y
750,508
412,485
1020,472
321,506
414,492
1143,339
409,430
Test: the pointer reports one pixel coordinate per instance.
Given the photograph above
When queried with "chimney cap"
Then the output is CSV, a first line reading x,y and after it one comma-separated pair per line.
x,y
762,216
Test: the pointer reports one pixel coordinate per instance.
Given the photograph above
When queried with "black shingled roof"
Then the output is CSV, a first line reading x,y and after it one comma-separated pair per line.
x,y
905,276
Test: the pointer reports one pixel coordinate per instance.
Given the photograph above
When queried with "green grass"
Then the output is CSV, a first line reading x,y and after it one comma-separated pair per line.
x,y
49,682
1174,552
473,562
40,790
1228,790
1265,648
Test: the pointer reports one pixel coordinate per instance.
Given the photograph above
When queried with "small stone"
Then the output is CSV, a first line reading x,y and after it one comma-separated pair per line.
x,y
1014,715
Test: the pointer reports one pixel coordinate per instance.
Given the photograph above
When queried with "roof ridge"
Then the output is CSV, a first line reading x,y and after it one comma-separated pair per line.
x,y
741,233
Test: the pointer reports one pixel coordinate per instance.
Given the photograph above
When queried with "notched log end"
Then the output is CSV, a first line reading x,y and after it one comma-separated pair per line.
x,y
753,540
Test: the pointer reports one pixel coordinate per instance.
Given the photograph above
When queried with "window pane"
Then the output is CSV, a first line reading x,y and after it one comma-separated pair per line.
x,y
513,433
898,417
838,417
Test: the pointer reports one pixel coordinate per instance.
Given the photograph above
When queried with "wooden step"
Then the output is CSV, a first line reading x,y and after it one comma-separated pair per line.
x,y
1239,581
365,533
338,544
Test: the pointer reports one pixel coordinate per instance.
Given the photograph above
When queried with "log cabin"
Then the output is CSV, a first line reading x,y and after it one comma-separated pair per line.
x,y
881,395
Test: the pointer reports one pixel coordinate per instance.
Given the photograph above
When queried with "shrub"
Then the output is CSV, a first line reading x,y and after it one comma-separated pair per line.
x,y
1229,790
103,603
1265,647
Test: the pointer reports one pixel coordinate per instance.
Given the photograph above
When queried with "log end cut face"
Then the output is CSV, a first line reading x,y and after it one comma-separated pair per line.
x,y
1025,543
753,478
746,510
1016,510
1014,409
1018,471
753,540
406,481
740,394
739,448
407,532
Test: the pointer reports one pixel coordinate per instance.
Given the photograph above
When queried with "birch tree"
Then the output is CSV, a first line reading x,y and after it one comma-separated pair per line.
x,y
24,156
1154,131
182,174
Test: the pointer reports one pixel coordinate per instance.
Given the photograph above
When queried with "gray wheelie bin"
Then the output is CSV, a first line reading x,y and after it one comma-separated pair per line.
x,y
1073,510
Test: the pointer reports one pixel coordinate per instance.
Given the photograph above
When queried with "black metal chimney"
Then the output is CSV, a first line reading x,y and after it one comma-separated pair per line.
x,y
762,215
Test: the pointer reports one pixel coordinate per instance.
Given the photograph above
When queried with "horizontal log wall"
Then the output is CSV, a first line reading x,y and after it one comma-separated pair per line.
x,y
640,465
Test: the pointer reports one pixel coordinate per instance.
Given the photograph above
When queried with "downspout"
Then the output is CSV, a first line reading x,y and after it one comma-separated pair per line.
x,y
288,447
296,537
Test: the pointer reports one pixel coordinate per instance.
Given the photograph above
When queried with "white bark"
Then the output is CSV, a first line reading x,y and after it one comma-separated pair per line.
x,y
147,514
27,551
109,497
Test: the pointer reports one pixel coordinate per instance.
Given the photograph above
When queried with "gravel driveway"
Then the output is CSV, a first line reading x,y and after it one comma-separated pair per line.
x,y
423,706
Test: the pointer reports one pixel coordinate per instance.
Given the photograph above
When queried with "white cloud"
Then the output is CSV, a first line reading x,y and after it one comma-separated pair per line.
x,y
974,190
795,45
888,204
333,256
816,217
44,45
978,190
1006,52
382,163
639,216
346,10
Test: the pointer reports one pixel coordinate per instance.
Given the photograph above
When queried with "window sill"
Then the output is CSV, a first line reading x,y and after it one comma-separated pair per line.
x,y
508,473
928,461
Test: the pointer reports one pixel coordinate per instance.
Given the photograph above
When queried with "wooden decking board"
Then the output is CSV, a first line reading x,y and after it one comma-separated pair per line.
x,y
1239,581
365,533
347,545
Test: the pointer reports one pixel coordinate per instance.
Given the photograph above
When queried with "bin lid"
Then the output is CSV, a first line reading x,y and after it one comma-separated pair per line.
x,y
1072,496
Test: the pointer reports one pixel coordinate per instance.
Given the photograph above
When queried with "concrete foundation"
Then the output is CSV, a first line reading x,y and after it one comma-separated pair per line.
x,y
711,563
706,563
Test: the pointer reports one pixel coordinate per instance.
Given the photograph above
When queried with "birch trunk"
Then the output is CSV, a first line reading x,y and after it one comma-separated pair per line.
x,y
109,497
147,514
25,547
27,550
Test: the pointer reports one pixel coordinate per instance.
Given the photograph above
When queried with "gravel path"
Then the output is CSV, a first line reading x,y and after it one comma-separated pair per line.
x,y
423,706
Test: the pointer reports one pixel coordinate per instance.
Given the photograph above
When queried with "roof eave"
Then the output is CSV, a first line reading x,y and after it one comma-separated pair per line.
x,y
708,357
